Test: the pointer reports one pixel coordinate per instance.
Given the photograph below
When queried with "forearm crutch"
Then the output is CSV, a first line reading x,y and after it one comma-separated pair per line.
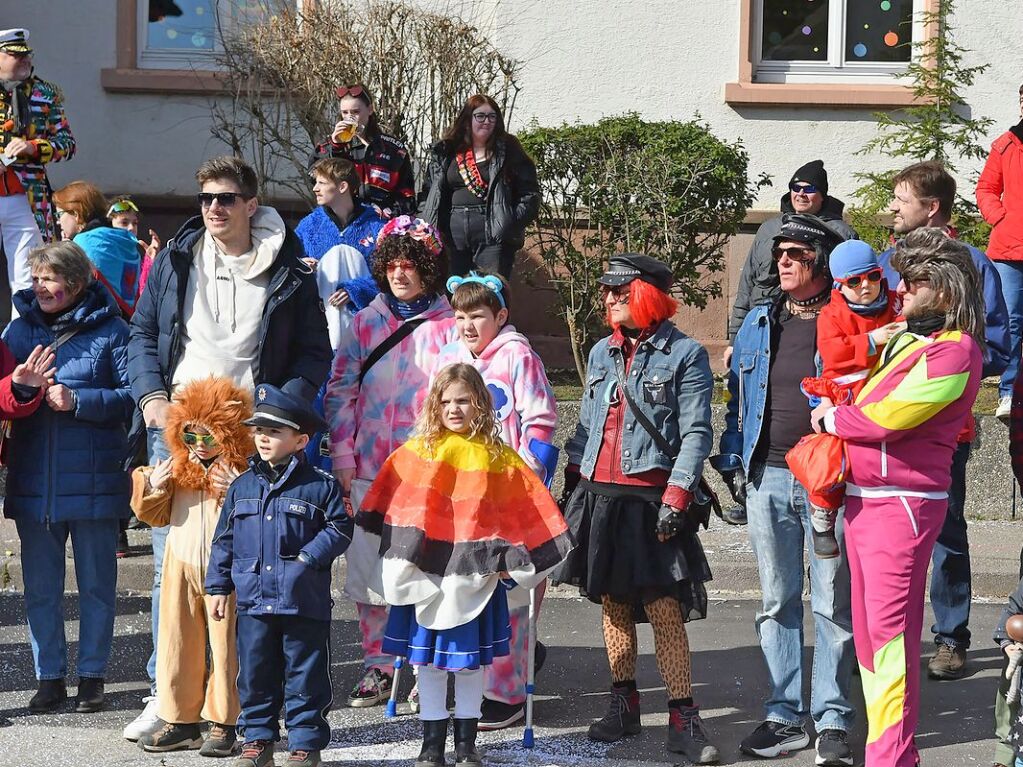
x,y
391,710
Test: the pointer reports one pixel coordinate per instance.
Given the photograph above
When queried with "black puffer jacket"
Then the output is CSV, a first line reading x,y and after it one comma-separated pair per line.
x,y
294,350
513,196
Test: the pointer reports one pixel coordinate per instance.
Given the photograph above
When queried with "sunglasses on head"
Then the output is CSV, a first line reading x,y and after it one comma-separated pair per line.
x,y
225,199
484,117
191,438
854,281
803,188
350,90
122,206
802,255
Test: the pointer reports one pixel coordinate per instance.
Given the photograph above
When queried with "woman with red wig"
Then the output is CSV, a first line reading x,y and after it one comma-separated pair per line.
x,y
635,463
481,190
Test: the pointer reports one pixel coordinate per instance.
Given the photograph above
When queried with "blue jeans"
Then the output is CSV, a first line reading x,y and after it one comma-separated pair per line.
x,y
1011,273
779,529
94,544
950,574
157,450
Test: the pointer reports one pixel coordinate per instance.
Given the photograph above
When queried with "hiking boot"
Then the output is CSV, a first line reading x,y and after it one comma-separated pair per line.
x,y
687,736
302,758
825,545
372,689
220,740
948,662
773,739
735,515
90,696
172,737
256,753
498,715
621,719
146,722
49,696
465,743
435,735
833,749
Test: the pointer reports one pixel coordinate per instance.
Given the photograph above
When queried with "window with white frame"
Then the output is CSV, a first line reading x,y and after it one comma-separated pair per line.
x,y
867,41
186,34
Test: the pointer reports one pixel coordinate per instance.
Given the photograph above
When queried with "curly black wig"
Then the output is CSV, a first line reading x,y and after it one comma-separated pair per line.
x,y
433,270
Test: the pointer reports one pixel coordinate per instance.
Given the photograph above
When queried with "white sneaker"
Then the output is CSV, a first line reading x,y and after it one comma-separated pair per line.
x,y
144,722
1004,408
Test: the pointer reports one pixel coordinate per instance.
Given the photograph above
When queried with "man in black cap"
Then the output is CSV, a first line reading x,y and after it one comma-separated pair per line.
x,y
775,348
282,525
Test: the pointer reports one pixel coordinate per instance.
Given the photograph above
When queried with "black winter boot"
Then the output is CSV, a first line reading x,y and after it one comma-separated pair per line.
x,y
465,743
50,695
90,695
435,736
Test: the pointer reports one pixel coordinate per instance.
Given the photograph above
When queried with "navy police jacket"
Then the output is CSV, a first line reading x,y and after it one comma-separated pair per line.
x,y
264,525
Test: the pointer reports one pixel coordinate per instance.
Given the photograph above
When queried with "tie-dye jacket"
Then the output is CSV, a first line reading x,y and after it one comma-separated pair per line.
x,y
45,126
518,385
369,422
902,429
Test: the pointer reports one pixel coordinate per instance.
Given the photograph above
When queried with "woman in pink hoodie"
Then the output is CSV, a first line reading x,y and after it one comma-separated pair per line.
x,y
901,432
380,377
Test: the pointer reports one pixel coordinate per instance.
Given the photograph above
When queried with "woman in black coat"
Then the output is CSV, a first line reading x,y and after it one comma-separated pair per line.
x,y
481,190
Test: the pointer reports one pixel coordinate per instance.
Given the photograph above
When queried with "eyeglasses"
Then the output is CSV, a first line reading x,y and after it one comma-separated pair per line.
x,y
620,293
225,199
191,438
122,206
482,118
351,90
874,275
802,189
800,255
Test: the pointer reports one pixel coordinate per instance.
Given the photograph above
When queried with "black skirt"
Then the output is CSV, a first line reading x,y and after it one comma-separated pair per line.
x,y
618,555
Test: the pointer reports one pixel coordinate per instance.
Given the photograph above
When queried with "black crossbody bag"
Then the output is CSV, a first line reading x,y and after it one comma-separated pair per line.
x,y
704,498
389,343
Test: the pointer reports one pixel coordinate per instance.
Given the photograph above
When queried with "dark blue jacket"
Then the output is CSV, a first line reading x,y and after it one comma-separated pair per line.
x,y
294,349
69,465
264,524
996,318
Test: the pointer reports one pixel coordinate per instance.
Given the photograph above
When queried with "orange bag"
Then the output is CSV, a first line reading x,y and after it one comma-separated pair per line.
x,y
820,461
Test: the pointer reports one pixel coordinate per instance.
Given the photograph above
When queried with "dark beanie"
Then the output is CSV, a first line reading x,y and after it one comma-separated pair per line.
x,y
812,173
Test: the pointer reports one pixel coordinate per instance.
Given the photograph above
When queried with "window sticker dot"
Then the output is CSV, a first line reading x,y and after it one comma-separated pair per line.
x,y
860,50
807,30
891,39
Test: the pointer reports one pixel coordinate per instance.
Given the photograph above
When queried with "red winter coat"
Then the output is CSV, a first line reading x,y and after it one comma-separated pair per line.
x,y
843,341
1000,197
10,406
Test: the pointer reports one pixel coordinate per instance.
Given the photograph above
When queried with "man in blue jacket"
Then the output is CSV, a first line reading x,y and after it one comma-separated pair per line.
x,y
229,295
923,195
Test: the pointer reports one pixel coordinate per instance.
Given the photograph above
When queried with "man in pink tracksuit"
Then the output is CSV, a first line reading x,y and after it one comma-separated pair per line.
x,y
901,433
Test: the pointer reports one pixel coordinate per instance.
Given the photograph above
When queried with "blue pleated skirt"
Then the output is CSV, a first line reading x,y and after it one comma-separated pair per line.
x,y
468,646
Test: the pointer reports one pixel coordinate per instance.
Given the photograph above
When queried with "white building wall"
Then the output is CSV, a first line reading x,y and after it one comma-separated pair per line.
x,y
583,59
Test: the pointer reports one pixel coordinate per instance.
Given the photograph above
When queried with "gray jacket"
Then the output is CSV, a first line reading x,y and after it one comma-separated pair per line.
x,y
758,281
670,380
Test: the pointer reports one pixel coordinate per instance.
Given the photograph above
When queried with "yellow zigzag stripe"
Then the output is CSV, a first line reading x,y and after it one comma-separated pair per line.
x,y
884,688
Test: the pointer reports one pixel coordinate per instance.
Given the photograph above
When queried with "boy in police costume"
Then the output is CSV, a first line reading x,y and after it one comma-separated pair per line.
x,y
283,523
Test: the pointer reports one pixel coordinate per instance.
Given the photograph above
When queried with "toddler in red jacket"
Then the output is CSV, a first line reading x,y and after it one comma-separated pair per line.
x,y
852,330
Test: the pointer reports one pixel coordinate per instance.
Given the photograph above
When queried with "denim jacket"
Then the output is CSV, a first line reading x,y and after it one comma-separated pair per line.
x,y
670,380
747,388
264,525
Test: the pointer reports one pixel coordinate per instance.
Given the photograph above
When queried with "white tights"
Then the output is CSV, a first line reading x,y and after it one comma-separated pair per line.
x,y
433,693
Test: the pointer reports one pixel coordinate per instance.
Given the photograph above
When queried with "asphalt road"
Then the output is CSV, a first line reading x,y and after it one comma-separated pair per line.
x,y
955,731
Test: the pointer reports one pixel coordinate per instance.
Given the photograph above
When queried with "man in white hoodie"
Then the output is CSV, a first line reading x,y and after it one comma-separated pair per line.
x,y
229,295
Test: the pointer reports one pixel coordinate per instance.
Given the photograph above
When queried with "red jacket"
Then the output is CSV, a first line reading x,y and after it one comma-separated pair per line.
x,y
843,342
1000,197
10,406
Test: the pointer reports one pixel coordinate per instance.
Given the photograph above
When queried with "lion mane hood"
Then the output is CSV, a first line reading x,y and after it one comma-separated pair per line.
x,y
218,405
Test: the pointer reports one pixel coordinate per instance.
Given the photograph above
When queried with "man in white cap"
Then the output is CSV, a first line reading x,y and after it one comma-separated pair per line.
x,y
33,132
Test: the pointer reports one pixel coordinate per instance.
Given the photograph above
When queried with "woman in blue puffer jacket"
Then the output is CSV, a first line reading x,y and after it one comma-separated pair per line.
x,y
66,475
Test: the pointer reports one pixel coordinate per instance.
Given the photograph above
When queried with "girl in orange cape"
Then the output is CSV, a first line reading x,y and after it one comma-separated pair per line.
x,y
461,520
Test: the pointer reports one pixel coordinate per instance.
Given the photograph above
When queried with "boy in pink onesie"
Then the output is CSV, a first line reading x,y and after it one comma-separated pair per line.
x,y
525,409
901,432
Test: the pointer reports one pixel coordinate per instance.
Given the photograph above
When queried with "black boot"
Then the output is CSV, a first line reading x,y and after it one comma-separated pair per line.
x,y
90,695
49,696
465,743
435,736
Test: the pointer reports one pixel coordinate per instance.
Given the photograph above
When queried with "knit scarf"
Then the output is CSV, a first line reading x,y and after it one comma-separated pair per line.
x,y
926,324
875,307
406,310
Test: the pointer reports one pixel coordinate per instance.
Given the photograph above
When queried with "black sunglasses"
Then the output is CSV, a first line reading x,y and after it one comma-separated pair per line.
x,y
799,255
226,199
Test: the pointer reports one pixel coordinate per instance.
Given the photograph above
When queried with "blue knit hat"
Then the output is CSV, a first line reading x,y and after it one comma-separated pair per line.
x,y
852,257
